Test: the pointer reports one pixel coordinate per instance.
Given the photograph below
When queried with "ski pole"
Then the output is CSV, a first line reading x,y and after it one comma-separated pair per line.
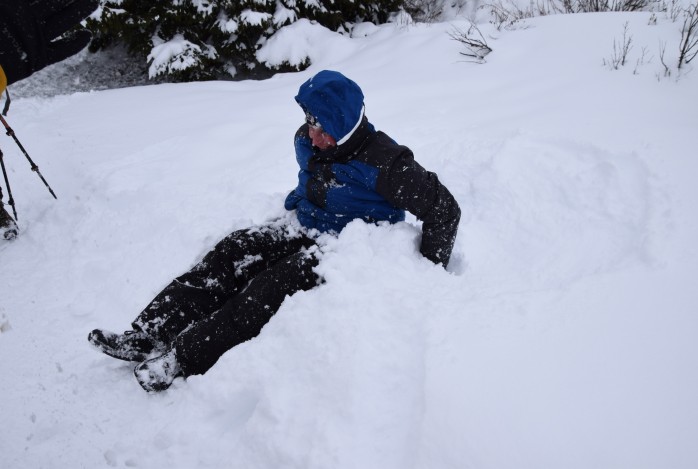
x,y
34,167
10,200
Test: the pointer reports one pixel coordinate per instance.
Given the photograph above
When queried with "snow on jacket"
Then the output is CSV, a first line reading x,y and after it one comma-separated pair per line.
x,y
367,175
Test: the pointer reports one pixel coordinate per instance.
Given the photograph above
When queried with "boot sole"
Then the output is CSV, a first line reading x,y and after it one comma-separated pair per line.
x,y
97,339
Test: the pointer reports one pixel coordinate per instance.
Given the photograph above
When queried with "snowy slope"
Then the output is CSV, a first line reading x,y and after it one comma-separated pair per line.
x,y
564,334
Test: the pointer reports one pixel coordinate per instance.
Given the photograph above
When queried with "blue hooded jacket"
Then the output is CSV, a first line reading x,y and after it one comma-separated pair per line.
x,y
367,175
334,189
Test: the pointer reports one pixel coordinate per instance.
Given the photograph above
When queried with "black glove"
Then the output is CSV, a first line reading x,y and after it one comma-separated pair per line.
x,y
28,29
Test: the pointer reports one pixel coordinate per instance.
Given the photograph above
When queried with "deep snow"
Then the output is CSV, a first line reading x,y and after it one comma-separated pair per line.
x,y
564,334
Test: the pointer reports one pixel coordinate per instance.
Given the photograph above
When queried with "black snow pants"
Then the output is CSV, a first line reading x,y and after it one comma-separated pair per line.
x,y
231,294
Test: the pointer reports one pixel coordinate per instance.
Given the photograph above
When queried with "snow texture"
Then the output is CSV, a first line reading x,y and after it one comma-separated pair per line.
x,y
563,335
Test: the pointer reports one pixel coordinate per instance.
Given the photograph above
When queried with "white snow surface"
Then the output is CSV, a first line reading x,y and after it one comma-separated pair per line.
x,y
564,333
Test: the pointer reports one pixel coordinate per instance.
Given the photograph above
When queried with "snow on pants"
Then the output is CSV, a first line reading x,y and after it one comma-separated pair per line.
x,y
230,295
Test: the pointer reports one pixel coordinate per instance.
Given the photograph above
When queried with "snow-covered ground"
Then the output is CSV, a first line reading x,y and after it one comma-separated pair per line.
x,y
564,334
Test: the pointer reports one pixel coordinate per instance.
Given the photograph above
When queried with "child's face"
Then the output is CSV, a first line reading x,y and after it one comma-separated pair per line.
x,y
320,138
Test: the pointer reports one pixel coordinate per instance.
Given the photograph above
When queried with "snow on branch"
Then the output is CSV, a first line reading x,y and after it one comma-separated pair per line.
x,y
175,55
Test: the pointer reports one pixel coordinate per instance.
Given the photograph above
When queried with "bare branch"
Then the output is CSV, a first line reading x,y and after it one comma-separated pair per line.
x,y
474,41
641,61
674,10
688,47
662,50
620,50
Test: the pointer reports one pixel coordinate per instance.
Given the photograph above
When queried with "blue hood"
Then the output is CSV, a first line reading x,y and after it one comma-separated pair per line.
x,y
334,100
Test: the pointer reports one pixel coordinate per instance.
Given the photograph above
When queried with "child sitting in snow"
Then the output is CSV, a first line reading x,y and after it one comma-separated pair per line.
x,y
348,170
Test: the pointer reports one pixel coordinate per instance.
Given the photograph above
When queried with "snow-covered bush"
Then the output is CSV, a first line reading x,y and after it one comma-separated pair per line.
x,y
186,40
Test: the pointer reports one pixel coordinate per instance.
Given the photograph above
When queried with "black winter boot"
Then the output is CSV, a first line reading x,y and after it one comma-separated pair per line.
x,y
133,346
8,227
157,374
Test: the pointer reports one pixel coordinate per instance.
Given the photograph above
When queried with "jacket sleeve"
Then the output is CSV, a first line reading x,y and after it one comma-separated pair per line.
x,y
304,151
407,185
3,80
